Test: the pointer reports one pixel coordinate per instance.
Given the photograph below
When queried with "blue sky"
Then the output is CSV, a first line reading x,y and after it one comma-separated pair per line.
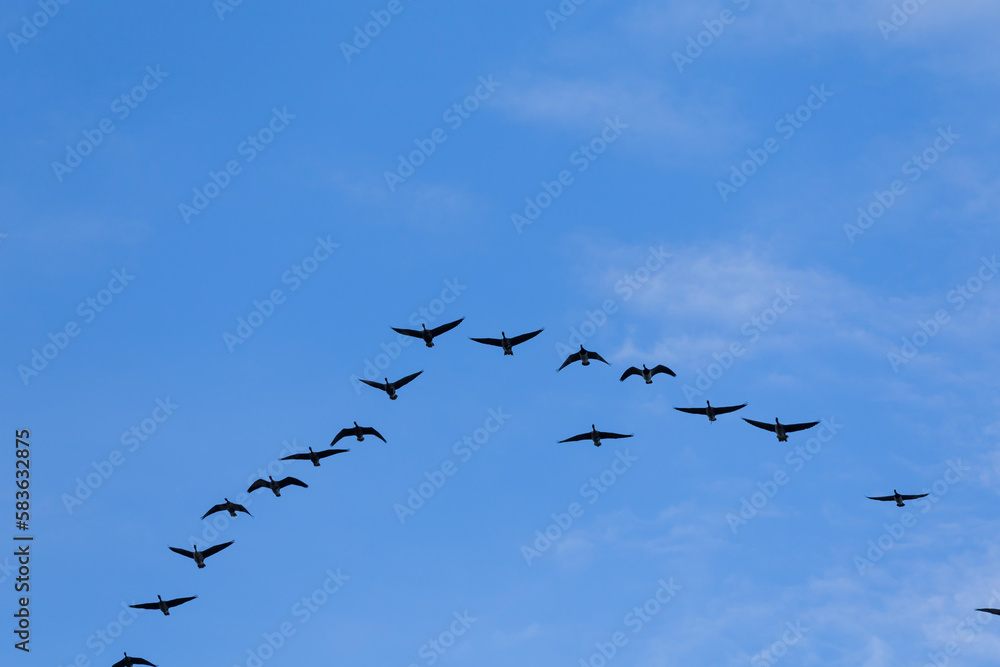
x,y
790,206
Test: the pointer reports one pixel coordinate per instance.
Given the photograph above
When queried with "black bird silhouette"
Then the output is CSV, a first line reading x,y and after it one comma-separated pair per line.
x,y
428,335
507,343
312,456
129,662
782,430
583,356
163,605
596,436
358,431
276,487
391,387
200,556
897,496
990,610
710,411
227,506
647,373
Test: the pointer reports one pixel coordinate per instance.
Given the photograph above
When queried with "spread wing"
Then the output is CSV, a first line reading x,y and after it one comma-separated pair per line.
x,y
344,432
610,436
732,408
446,327
216,549
259,484
594,355
630,372
330,452
403,381
215,508
582,436
881,497
377,385
660,368
489,341
146,605
240,508
517,340
570,359
140,661
121,663
296,457
289,481
408,332
763,425
183,552
178,601
694,411
912,497
368,430
990,610
791,428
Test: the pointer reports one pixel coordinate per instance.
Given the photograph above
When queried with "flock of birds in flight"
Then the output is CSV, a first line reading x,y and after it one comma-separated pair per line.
x,y
584,356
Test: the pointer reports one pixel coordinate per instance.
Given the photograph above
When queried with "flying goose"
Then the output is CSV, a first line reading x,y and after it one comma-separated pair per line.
x,y
227,506
162,605
312,456
595,436
426,334
200,556
583,356
129,662
391,387
897,496
358,431
507,343
647,373
710,411
782,430
276,487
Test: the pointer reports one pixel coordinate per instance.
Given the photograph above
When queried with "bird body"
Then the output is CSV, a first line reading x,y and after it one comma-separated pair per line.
x,y
130,662
595,436
647,373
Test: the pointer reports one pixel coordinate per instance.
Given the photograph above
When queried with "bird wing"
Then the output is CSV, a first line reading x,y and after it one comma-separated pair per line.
x,y
259,484
912,497
408,332
570,359
489,341
732,408
694,411
177,601
216,549
611,436
289,481
377,385
446,327
403,381
121,663
146,605
368,430
763,425
140,661
791,428
215,508
240,508
881,497
297,457
582,436
990,610
630,372
344,432
660,368
330,452
183,552
517,340
594,355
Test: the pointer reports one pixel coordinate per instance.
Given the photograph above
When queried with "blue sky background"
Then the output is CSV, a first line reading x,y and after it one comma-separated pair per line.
x,y
854,298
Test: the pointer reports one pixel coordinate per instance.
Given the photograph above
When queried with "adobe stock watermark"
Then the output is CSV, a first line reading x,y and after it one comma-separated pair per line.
x,y
88,309
786,127
703,39
223,7
779,649
796,459
248,149
294,277
581,158
926,330
105,636
635,620
914,168
968,629
899,16
464,450
432,649
374,368
131,439
627,286
562,12
30,25
751,331
454,116
363,35
895,531
591,490
302,611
